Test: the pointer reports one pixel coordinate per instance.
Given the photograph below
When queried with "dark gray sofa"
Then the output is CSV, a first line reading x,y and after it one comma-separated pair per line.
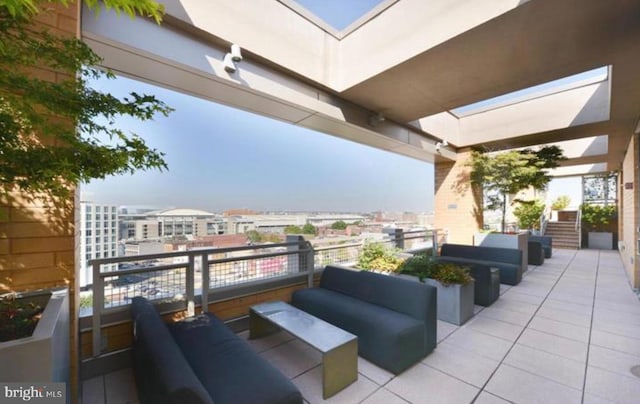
x,y
536,253
486,287
393,318
200,360
547,244
507,260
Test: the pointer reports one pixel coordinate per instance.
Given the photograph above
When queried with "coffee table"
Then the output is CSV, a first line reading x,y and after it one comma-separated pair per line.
x,y
339,348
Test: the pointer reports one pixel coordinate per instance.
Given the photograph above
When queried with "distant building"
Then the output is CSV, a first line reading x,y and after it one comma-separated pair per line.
x,y
171,223
239,212
99,233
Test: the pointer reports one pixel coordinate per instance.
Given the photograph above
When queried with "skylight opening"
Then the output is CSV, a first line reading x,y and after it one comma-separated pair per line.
x,y
566,83
339,14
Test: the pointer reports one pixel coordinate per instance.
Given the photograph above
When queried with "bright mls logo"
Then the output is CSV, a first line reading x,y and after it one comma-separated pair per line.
x,y
51,393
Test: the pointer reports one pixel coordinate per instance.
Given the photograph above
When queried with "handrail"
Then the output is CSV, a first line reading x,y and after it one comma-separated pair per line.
x,y
578,227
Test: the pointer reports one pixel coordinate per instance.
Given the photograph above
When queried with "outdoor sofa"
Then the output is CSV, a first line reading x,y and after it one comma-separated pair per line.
x,y
394,319
199,360
507,260
536,253
486,288
547,244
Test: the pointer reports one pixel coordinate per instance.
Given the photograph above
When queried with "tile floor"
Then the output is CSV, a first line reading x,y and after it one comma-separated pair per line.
x,y
568,333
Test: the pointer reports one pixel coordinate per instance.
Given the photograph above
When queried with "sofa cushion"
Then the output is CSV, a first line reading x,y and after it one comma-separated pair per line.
x,y
536,253
510,274
162,373
486,288
230,370
389,339
547,244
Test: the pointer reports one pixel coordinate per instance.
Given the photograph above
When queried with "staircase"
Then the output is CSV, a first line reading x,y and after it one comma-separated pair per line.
x,y
564,234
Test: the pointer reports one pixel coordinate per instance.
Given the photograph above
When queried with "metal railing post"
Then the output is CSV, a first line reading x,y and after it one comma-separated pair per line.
x,y
310,263
98,304
190,286
434,242
205,283
297,243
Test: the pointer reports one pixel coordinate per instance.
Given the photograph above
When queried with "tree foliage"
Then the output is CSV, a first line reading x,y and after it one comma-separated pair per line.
x,y
511,172
528,214
378,257
561,202
339,225
292,229
55,134
309,229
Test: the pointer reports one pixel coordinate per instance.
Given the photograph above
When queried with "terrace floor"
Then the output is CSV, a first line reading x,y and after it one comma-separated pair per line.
x,y
568,333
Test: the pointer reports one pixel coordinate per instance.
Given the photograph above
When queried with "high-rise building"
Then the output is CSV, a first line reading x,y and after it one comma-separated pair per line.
x,y
98,237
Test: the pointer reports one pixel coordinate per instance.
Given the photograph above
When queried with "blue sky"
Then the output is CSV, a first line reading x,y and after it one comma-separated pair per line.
x,y
339,13
221,158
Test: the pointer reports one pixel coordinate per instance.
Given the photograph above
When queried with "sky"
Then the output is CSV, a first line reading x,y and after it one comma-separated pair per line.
x,y
339,13
223,158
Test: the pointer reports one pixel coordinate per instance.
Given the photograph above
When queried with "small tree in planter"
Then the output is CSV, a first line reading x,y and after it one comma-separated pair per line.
x,y
511,172
528,214
454,283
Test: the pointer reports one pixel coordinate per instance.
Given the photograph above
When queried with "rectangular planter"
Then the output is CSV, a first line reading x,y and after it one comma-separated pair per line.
x,y
45,355
601,240
455,302
518,241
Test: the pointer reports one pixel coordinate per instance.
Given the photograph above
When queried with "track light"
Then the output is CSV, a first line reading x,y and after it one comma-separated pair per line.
x,y
236,53
229,65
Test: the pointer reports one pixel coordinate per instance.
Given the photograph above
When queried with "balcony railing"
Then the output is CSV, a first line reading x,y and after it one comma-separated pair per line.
x,y
184,279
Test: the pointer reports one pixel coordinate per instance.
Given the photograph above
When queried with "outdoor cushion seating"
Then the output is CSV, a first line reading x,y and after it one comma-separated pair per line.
x,y
507,260
536,253
200,360
547,244
393,318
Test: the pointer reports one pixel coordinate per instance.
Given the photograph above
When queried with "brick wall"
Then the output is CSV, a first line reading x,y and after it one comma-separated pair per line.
x,y
456,205
628,221
37,243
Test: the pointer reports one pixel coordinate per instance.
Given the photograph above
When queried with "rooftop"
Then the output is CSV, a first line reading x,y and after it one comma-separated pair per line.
x,y
568,333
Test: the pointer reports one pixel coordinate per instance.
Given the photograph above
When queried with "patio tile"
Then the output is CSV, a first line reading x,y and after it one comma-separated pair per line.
x,y
384,396
570,317
568,306
93,391
612,386
496,328
554,344
564,297
480,343
514,305
512,317
423,384
520,386
618,328
462,364
615,342
445,329
557,368
613,361
504,288
120,387
488,398
310,385
613,315
293,358
373,372
560,329
521,297
591,399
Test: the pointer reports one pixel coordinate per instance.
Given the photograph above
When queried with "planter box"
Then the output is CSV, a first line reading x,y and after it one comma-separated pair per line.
x,y
455,302
601,240
44,356
519,241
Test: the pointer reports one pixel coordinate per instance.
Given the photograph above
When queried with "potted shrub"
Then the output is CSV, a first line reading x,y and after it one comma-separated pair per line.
x,y
454,283
34,333
560,203
596,221
528,214
379,258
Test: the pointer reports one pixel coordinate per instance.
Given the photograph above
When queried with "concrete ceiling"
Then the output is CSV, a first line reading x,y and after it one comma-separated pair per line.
x,y
537,42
